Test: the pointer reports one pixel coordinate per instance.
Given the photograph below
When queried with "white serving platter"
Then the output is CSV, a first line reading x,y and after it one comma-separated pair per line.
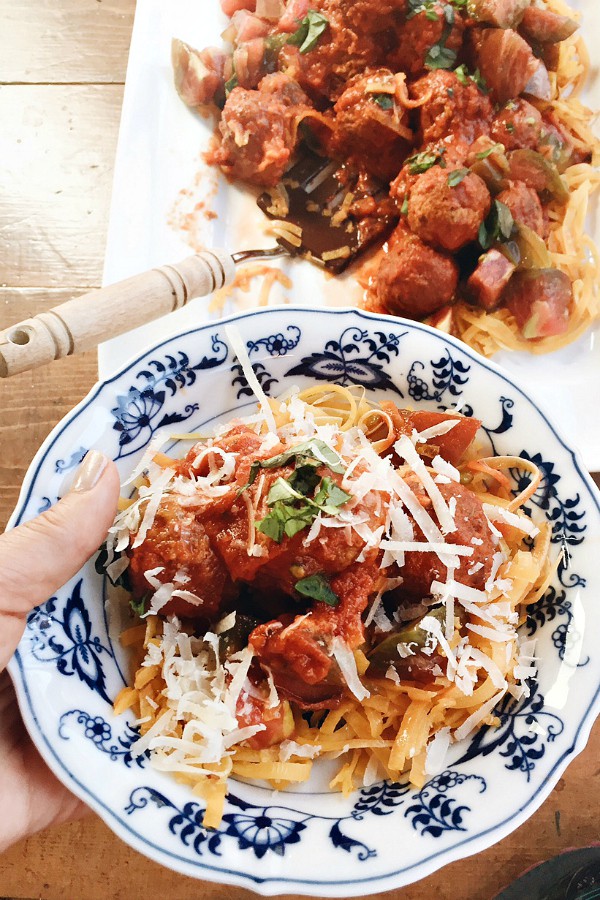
x,y
160,180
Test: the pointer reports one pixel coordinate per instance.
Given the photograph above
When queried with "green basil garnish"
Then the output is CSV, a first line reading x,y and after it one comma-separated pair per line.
x,y
317,587
497,227
309,31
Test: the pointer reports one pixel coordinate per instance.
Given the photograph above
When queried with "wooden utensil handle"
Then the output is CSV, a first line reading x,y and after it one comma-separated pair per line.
x,y
86,321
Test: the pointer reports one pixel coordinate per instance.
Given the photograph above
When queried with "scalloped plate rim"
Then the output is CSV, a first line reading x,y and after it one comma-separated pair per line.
x,y
270,886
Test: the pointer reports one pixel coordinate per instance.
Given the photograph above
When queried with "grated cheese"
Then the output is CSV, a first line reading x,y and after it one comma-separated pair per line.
x,y
345,660
475,719
239,348
405,448
499,514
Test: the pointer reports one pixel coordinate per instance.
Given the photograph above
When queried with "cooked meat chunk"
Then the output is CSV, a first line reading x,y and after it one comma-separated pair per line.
x,y
344,49
445,211
546,27
487,283
230,6
258,130
199,74
525,206
517,125
179,547
540,301
451,446
451,107
426,37
501,13
299,651
370,128
472,530
539,174
505,60
414,280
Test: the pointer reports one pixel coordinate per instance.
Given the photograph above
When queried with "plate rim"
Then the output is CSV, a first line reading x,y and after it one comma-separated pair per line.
x,y
269,886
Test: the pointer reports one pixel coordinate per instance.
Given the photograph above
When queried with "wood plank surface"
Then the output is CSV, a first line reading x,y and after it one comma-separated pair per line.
x,y
62,63
67,41
56,174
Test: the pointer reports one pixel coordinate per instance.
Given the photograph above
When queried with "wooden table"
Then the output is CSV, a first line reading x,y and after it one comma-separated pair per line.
x,y
62,67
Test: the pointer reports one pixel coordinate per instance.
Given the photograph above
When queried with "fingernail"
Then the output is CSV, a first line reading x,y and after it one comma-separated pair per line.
x,y
89,471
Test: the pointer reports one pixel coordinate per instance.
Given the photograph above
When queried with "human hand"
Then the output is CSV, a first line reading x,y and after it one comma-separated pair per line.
x,y
36,559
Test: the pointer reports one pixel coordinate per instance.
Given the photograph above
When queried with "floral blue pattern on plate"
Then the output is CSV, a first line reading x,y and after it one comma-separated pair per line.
x,y
70,666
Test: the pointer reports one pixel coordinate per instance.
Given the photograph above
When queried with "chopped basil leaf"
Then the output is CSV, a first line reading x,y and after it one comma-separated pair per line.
x,y
282,490
317,587
272,526
385,101
309,452
464,76
485,153
479,80
497,227
275,42
462,73
292,510
329,497
455,177
231,84
510,127
309,31
404,207
440,57
273,45
139,605
430,8
421,162
304,478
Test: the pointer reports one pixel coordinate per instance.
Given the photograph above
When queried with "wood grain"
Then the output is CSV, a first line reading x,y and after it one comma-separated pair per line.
x,y
66,41
61,67
56,168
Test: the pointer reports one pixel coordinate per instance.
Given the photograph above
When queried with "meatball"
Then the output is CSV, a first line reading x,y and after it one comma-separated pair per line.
x,y
451,107
178,544
258,130
377,137
525,206
414,280
426,36
279,565
517,125
446,211
449,153
343,50
472,530
298,650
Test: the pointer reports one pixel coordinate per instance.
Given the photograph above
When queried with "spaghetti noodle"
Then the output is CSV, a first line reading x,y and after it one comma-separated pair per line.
x,y
347,586
457,124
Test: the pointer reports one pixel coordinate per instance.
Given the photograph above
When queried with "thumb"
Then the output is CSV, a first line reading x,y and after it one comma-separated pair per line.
x,y
37,558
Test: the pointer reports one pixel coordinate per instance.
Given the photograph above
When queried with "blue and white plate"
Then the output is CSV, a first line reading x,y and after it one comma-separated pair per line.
x,y
69,665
